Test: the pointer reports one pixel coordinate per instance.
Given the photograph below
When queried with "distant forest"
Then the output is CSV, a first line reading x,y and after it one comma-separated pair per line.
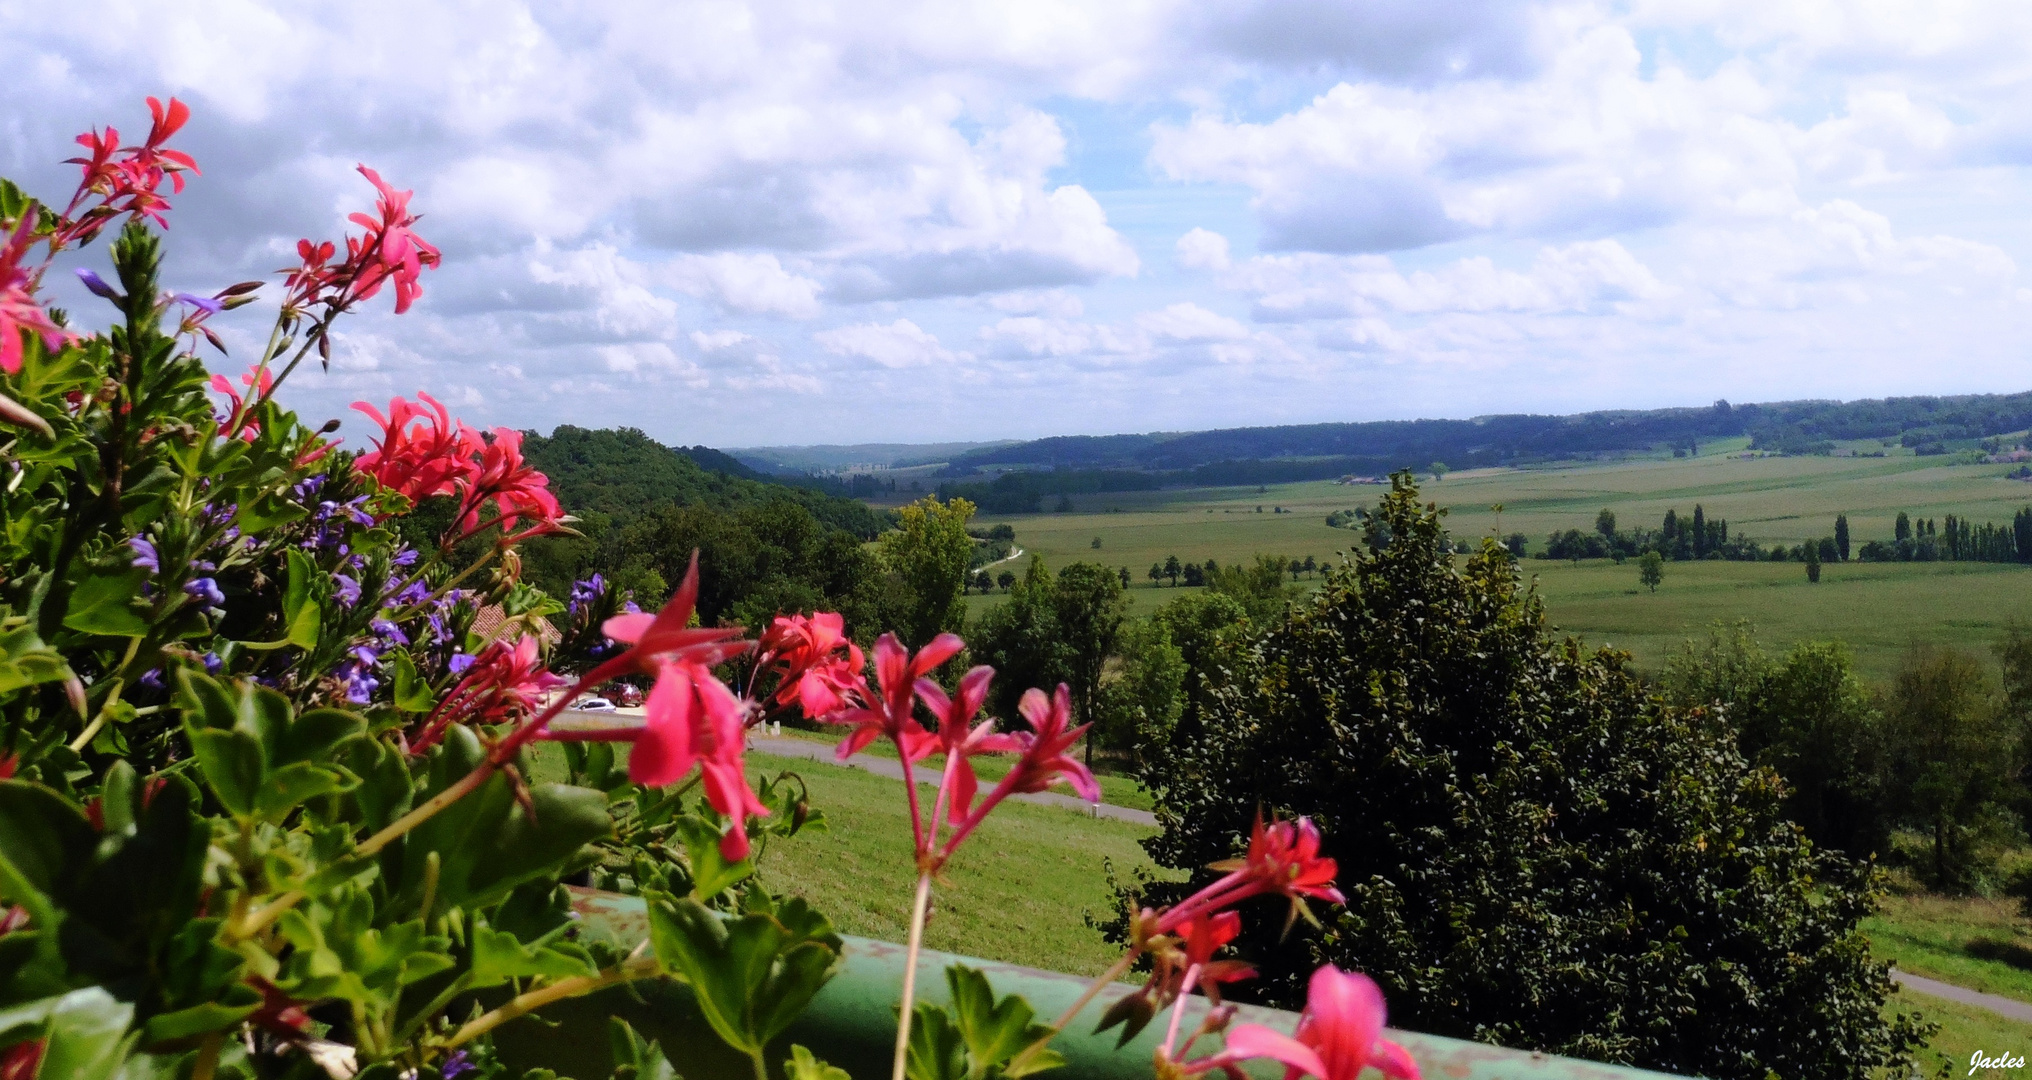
x,y
1317,451
623,474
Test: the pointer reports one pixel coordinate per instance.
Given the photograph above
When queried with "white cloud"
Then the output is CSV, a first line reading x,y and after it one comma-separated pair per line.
x,y
901,344
1202,249
1720,194
751,284
1190,322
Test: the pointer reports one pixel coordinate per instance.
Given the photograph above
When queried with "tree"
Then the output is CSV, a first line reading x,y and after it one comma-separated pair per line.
x,y
1699,532
930,551
1439,471
1006,579
1841,536
1195,574
1156,573
1605,523
1812,561
1056,628
1125,577
1311,565
1296,569
1064,505
1818,725
1172,568
1952,752
1140,702
1902,528
1651,570
1535,851
1096,545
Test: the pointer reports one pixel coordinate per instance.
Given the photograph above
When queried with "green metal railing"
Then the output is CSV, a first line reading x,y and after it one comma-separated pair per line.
x,y
852,1022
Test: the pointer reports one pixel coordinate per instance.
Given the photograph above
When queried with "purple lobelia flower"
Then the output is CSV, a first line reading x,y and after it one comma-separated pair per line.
x,y
206,591
145,555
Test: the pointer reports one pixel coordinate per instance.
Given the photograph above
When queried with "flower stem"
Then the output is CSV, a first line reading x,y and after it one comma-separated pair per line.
x,y
1093,990
918,910
208,1056
577,985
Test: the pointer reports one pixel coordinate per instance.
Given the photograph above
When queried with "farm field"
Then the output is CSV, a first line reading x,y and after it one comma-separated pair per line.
x,y
1880,609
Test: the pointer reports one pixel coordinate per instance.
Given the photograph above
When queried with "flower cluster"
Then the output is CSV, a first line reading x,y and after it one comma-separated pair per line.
x,y
388,251
19,311
126,180
424,453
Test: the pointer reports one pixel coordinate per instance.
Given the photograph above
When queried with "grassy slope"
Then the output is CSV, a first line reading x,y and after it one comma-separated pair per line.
x,y
1879,609
1017,891
1115,790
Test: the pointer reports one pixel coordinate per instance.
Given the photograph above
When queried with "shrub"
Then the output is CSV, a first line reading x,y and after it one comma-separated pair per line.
x,y
1535,852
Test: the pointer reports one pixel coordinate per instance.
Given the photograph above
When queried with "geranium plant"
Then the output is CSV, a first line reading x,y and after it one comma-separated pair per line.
x,y
268,803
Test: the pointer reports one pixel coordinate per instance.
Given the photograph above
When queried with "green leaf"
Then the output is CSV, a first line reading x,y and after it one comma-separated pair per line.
x,y
44,840
632,1051
995,1031
499,956
302,615
412,693
106,602
26,661
752,974
712,874
289,787
231,762
802,1065
87,1036
937,1052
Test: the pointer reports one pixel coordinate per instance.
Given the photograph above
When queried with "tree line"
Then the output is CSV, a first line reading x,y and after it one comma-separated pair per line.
x,y
1913,540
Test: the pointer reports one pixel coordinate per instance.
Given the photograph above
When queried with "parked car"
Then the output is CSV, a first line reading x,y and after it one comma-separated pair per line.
x,y
594,704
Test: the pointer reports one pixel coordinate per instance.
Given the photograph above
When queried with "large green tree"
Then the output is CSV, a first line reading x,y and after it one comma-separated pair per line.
x,y
930,552
1953,753
1536,852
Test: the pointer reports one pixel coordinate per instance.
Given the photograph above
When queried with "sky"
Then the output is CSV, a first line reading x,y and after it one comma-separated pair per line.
x,y
768,224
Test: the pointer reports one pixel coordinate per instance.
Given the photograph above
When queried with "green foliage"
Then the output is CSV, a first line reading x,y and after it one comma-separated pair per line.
x,y
1651,570
623,474
1953,756
752,973
978,1037
1535,852
1061,627
931,552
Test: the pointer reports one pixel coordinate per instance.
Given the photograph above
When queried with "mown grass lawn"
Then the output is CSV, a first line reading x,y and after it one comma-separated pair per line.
x,y
1019,891
1116,790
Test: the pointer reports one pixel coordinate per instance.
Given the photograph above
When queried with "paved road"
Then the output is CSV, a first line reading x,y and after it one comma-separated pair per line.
x,y
1996,1003
880,766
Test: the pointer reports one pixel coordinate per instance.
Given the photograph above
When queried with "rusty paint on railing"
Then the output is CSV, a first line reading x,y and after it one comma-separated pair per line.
x,y
852,1022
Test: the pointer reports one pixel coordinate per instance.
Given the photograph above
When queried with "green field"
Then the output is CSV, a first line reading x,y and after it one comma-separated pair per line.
x,y
1881,609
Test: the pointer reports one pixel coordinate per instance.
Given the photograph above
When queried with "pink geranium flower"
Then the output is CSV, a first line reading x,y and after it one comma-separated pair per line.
x,y
959,738
816,665
890,714
1283,858
418,460
506,681
390,250
1340,1033
668,636
126,180
694,719
19,313
498,474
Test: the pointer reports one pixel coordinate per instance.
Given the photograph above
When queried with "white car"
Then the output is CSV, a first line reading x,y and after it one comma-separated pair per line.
x,y
594,704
